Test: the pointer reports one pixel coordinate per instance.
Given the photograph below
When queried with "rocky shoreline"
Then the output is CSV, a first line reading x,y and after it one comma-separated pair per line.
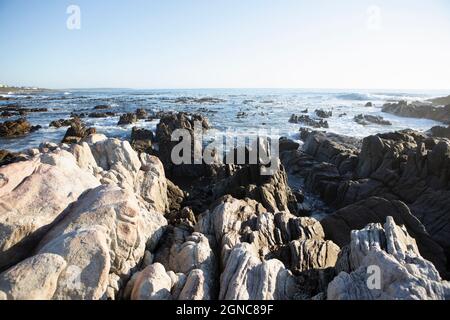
x,y
102,218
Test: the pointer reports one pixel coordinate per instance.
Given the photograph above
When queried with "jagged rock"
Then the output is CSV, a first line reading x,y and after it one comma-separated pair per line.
x,y
77,131
193,270
404,165
308,121
403,273
323,114
365,119
33,194
307,254
16,128
272,191
418,110
127,118
167,125
369,104
7,157
189,100
141,139
153,283
101,239
141,114
115,162
337,150
63,123
18,283
234,221
440,132
175,196
287,145
196,287
339,225
246,277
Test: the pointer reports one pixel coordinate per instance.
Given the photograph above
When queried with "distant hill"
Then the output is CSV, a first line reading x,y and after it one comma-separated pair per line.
x,y
443,101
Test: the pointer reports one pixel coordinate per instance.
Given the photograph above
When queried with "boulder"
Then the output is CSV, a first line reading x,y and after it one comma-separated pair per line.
x,y
19,283
141,139
419,110
323,114
16,128
308,121
365,119
246,277
384,263
33,194
127,118
192,275
339,225
77,132
272,191
101,239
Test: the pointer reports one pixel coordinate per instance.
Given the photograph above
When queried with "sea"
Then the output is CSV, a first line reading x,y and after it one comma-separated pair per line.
x,y
232,111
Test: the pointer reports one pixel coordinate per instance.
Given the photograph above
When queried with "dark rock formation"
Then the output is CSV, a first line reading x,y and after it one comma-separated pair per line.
x,y
167,125
7,157
443,101
339,225
307,121
418,110
127,118
141,139
404,165
287,144
365,119
77,131
323,114
16,128
191,100
440,132
141,114
102,107
63,122
101,114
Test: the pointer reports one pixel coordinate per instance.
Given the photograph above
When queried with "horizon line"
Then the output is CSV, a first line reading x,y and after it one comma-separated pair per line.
x,y
243,88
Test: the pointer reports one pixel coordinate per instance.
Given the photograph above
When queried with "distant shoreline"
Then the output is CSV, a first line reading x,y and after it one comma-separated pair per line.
x,y
23,90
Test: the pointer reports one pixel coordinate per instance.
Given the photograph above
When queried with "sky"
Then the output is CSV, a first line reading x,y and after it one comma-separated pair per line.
x,y
350,44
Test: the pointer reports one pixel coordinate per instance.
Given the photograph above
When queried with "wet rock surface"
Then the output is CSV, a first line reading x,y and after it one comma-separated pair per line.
x,y
419,110
365,119
308,121
16,128
77,131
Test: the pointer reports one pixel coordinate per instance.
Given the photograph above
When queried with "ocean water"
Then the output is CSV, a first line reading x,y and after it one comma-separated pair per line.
x,y
265,109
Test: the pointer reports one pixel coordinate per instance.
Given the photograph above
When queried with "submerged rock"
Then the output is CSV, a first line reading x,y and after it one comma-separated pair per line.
x,y
365,119
306,120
